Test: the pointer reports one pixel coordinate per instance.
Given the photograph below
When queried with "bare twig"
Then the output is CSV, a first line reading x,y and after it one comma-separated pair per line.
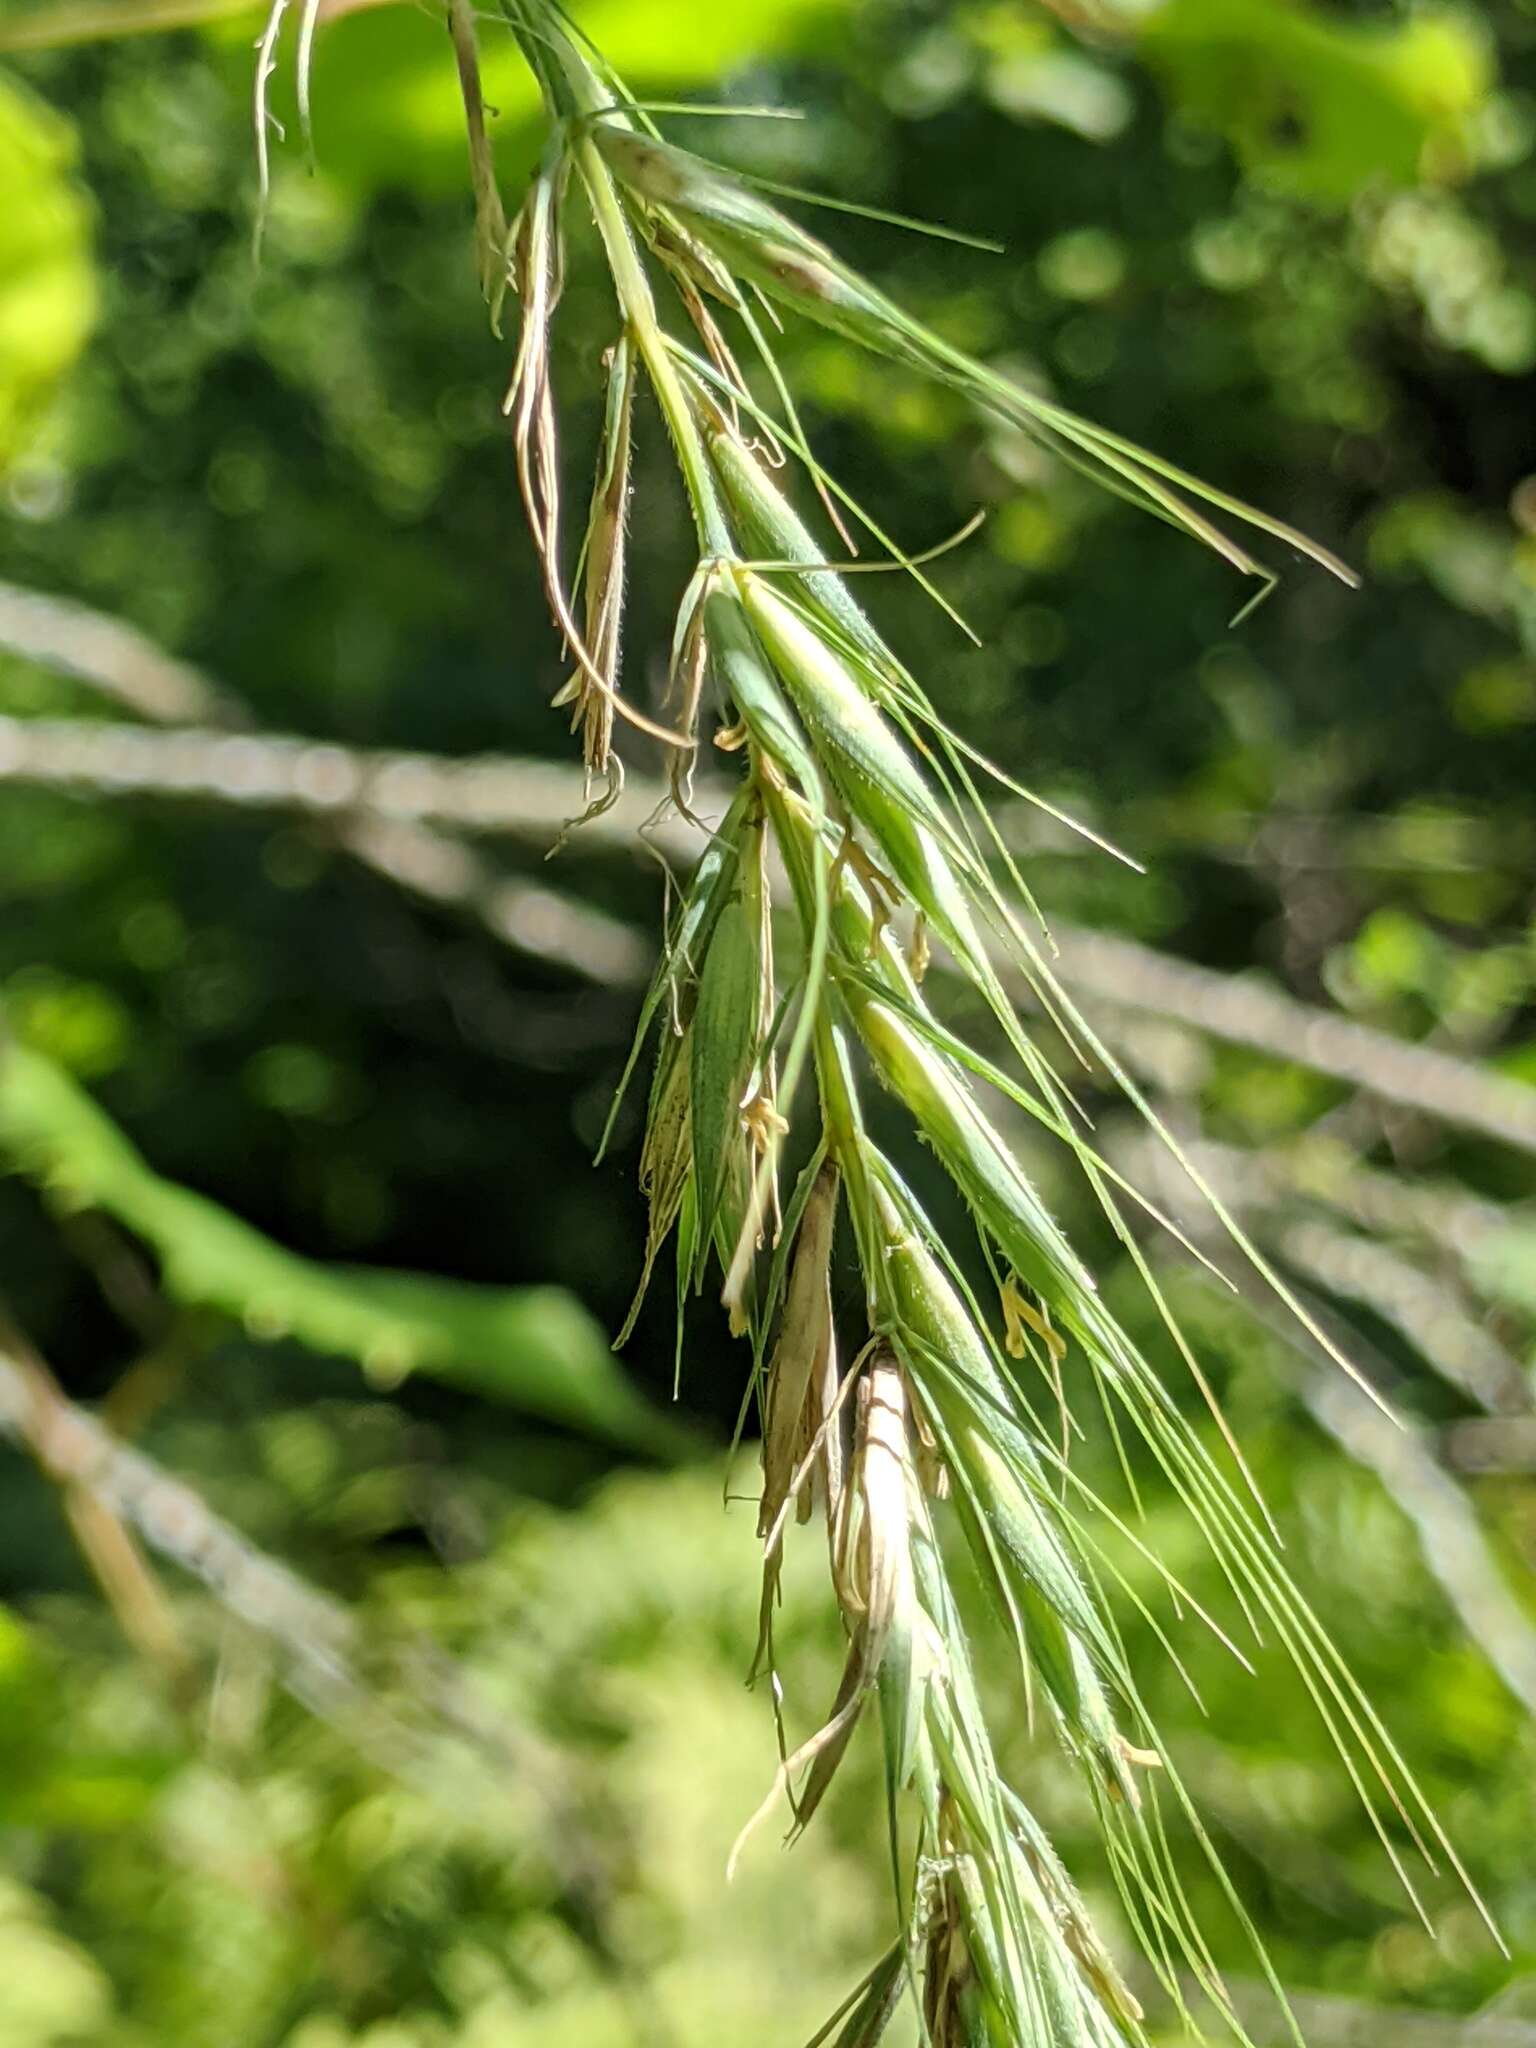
x,y
42,1418
546,923
1245,1012
211,763
1332,2022
1401,1454
1450,1539
1421,1304
111,656
1294,843
321,1645
316,1634
535,800
489,794
1317,1169
1431,1308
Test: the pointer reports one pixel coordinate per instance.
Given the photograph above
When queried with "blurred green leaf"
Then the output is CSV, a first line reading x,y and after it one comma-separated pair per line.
x,y
54,1994
49,1776
535,1348
1504,1267
405,124
1317,105
408,125
47,277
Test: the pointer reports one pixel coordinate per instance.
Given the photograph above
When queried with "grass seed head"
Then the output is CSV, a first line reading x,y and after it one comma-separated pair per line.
x,y
876,1587
771,528
666,1159
876,1570
872,1568
828,722
948,1976
853,738
754,240
1064,1905
537,268
873,2005
603,555
746,678
939,1098
726,1038
1012,1521
764,246
871,771
802,1372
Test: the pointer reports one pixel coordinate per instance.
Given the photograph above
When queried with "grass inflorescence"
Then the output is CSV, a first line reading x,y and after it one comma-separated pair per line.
x,y
791,985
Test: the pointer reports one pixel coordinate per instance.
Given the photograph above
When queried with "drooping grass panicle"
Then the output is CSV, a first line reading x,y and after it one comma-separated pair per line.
x,y
793,983
763,245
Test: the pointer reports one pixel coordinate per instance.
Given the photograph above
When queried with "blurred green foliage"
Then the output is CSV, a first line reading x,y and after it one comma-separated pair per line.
x,y
47,278
532,1347
1290,245
1325,107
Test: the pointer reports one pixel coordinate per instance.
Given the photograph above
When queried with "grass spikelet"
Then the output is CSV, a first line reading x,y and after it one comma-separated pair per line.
x,y
802,1375
802,1425
537,273
491,233
747,681
603,558
865,2015
763,245
727,1036
666,1160
872,1575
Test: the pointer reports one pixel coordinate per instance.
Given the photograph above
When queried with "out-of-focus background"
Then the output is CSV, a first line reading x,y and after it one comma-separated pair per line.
x,y
376,1680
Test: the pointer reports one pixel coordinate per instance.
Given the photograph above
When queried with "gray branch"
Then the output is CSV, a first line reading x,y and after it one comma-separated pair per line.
x,y
110,655
1331,2022
1247,1012
378,806
1401,1454
489,794
535,801
1423,1305
450,1742
1431,1307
